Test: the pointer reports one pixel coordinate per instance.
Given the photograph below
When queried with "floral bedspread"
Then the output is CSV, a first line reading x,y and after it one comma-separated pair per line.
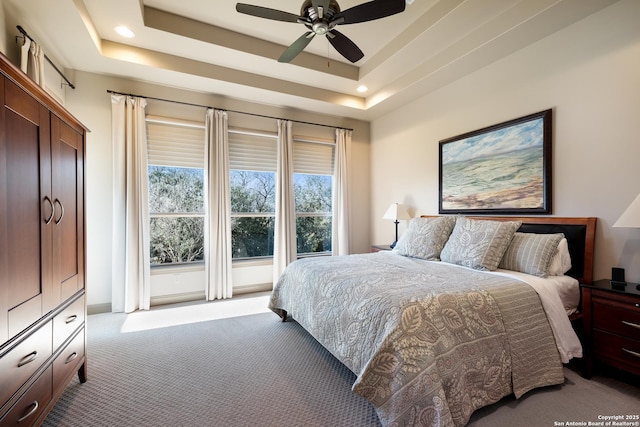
x,y
429,342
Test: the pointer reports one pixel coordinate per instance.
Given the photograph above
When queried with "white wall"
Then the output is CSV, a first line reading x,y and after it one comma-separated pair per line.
x,y
3,34
589,74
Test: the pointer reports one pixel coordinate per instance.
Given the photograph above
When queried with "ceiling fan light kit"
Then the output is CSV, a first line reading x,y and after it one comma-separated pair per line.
x,y
321,17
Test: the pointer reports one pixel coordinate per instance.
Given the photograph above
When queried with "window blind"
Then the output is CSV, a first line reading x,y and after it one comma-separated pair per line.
x,y
175,143
252,152
313,158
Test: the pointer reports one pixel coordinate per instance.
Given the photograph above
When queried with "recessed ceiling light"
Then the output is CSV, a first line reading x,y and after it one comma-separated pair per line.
x,y
362,89
124,31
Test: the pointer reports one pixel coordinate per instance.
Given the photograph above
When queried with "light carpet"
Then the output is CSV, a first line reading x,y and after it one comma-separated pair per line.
x,y
254,370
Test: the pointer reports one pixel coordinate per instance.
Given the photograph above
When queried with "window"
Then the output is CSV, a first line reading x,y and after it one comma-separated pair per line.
x,y
313,181
176,190
252,164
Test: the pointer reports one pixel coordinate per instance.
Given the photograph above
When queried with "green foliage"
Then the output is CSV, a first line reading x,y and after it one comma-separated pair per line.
x,y
252,191
176,239
312,193
180,238
313,234
179,190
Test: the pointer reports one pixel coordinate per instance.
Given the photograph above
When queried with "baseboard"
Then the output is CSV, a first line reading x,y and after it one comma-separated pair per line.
x,y
177,298
249,289
184,297
99,308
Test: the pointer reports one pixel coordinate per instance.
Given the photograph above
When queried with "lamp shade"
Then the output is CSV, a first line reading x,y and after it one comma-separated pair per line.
x,y
631,217
396,212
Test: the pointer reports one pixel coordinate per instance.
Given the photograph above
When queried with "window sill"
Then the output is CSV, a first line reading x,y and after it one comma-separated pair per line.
x,y
177,268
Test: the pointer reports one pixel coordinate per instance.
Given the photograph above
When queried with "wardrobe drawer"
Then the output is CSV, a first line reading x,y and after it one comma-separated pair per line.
x,y
68,361
28,408
19,363
67,321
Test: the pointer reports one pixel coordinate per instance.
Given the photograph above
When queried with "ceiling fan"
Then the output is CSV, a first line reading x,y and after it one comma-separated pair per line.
x,y
321,17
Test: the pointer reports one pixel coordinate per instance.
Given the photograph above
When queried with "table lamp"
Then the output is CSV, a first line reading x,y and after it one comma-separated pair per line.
x,y
630,218
396,212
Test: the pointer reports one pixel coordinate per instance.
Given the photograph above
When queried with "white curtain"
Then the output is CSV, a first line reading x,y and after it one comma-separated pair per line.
x,y
32,61
284,251
218,254
340,231
131,254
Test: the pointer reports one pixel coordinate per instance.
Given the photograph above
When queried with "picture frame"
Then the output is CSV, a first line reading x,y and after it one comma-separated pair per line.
x,y
499,169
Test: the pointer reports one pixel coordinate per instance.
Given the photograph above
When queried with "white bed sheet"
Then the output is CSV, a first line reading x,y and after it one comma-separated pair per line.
x,y
556,292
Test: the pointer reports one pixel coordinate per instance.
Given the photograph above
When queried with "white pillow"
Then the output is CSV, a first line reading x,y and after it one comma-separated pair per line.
x,y
561,260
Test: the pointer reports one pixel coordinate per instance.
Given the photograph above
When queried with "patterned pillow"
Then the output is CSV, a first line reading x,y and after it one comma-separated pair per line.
x,y
425,237
531,253
479,244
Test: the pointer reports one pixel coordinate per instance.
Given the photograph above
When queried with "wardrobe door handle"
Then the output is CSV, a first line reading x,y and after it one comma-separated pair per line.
x,y
53,210
71,318
61,210
71,357
31,412
28,359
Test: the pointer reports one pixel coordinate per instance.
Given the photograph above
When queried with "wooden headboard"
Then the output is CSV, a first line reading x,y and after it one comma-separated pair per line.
x,y
580,234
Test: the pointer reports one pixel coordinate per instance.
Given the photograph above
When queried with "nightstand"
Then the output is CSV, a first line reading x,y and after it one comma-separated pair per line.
x,y
378,248
611,326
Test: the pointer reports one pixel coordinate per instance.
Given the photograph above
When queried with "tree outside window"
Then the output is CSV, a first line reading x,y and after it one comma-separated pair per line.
x,y
253,211
313,213
253,199
176,206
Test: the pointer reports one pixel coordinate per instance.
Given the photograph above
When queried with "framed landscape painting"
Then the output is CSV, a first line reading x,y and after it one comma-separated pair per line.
x,y
500,169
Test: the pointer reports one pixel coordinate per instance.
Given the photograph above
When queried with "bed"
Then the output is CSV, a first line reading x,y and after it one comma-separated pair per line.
x,y
460,314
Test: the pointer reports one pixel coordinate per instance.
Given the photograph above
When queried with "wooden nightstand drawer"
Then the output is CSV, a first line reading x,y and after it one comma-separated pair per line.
x,y
32,404
624,352
624,301
611,317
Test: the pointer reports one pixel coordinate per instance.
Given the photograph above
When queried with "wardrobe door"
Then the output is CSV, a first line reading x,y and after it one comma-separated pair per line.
x,y
68,198
4,246
29,207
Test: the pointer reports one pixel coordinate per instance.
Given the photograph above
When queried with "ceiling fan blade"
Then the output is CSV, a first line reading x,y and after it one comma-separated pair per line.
x,y
265,12
369,11
345,46
297,47
324,4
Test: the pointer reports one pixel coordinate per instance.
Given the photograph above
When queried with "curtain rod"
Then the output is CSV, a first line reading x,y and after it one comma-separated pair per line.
x,y
231,111
24,33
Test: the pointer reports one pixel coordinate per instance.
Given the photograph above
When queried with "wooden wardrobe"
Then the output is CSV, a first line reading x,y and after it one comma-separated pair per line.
x,y
42,249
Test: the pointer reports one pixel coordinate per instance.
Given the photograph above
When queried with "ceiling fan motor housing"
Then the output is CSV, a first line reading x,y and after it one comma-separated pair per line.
x,y
318,22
